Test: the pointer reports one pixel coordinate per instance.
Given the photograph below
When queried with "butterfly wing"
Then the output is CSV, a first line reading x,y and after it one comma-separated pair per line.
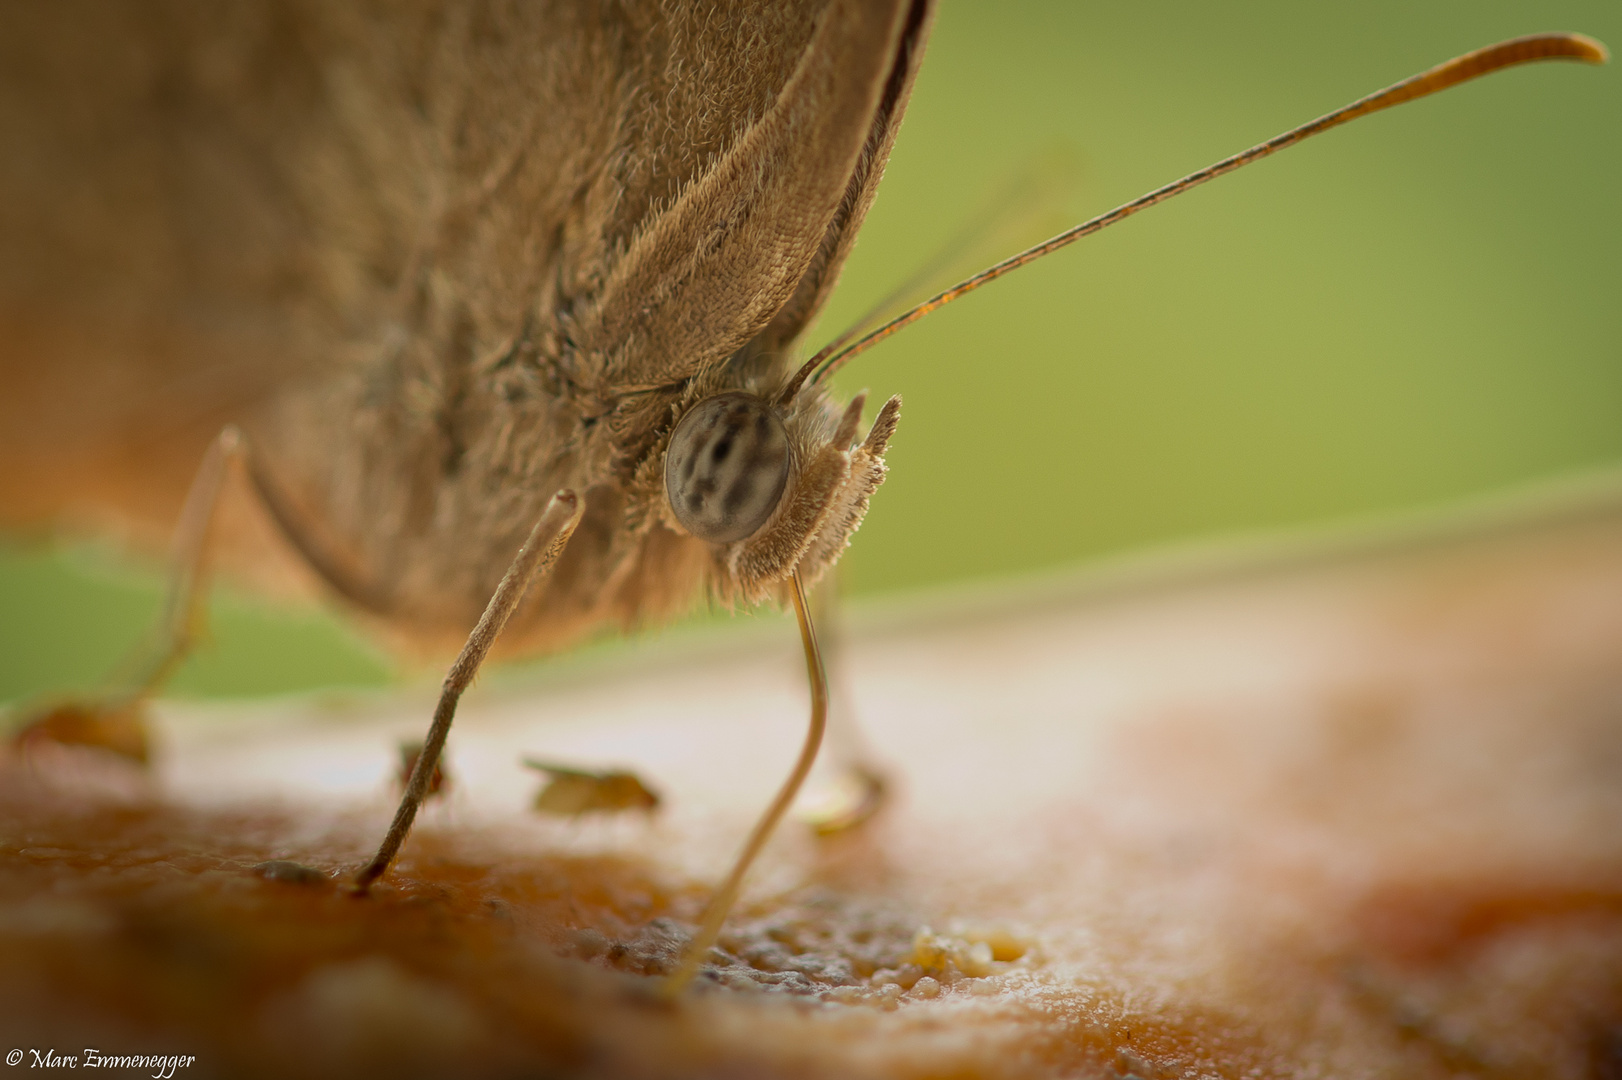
x,y
751,247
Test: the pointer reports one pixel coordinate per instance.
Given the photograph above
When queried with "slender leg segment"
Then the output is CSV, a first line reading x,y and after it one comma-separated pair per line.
x,y
720,904
538,555
858,788
184,611
114,719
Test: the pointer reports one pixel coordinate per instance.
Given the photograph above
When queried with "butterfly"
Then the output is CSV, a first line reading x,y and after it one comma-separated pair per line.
x,y
500,309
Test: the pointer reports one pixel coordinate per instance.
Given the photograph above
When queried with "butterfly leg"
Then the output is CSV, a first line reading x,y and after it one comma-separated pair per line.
x,y
115,720
715,913
537,557
859,787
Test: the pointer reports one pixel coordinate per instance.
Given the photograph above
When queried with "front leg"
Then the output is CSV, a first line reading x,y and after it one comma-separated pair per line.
x,y
537,557
860,786
715,913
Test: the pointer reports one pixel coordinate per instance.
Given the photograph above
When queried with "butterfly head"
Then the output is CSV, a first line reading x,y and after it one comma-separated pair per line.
x,y
772,486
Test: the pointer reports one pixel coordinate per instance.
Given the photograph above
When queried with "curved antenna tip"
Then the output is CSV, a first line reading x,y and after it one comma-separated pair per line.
x,y
1594,50
1582,47
1550,46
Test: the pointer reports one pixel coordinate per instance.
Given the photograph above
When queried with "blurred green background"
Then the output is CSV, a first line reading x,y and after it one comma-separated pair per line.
x,y
1419,309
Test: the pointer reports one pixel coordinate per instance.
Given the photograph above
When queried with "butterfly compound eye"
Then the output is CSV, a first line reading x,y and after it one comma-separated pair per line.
x,y
726,467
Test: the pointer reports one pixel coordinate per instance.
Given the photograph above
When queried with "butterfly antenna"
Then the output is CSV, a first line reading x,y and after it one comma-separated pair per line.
x,y
1008,207
1522,50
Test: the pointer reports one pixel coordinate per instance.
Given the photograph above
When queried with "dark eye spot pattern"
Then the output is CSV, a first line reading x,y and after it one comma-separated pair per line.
x,y
726,467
